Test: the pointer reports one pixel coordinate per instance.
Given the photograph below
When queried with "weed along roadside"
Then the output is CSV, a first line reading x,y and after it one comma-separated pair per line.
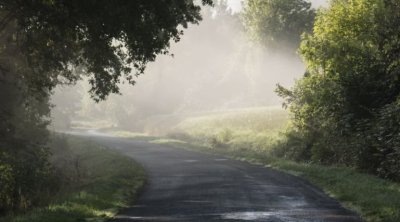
x,y
95,182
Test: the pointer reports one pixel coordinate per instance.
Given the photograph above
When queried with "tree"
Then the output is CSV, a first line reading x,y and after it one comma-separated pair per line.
x,y
348,100
23,118
278,23
108,39
44,43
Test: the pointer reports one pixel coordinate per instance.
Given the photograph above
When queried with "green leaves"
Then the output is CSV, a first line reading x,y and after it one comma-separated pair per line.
x,y
44,43
56,35
345,104
278,23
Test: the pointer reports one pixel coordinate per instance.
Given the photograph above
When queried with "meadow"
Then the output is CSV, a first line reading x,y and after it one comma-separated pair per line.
x,y
252,129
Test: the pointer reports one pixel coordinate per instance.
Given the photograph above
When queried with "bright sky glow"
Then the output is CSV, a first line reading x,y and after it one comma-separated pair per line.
x,y
236,5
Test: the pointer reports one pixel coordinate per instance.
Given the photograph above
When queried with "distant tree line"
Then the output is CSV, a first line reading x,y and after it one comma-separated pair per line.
x,y
345,110
45,43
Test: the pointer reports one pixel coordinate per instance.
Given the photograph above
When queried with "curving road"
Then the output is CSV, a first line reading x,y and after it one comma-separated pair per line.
x,y
190,186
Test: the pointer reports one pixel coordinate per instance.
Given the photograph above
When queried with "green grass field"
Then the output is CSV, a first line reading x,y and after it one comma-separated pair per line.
x,y
100,182
256,129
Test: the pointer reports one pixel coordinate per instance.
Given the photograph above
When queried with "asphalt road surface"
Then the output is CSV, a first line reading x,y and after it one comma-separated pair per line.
x,y
191,186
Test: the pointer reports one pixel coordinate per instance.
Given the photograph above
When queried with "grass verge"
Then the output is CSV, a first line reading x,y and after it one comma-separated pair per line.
x,y
375,199
97,182
253,134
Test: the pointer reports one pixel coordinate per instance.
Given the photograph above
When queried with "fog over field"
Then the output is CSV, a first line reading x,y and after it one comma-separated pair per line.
x,y
214,67
200,110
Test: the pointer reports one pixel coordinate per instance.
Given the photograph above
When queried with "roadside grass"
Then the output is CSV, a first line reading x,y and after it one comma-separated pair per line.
x,y
253,135
373,198
99,182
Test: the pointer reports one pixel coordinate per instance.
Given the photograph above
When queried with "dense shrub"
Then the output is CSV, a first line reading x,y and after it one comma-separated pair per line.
x,y
345,108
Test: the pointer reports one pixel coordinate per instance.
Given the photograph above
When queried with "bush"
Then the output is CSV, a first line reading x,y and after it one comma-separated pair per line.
x,y
345,108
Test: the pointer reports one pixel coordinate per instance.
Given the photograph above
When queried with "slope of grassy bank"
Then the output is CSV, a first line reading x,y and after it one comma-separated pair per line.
x,y
96,181
253,135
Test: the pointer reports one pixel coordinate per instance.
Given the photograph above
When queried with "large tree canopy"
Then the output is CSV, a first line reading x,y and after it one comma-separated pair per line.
x,y
47,42
106,39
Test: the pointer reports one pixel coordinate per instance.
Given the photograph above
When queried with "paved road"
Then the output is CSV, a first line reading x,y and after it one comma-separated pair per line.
x,y
189,186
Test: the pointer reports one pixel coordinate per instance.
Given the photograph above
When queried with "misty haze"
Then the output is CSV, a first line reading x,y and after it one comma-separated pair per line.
x,y
213,68
200,110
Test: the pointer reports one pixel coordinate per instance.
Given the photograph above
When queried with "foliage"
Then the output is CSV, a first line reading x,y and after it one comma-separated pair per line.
x,y
102,39
346,105
23,120
187,73
46,43
278,23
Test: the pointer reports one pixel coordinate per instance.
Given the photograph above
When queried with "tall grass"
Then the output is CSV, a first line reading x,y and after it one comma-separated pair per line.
x,y
257,129
96,182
